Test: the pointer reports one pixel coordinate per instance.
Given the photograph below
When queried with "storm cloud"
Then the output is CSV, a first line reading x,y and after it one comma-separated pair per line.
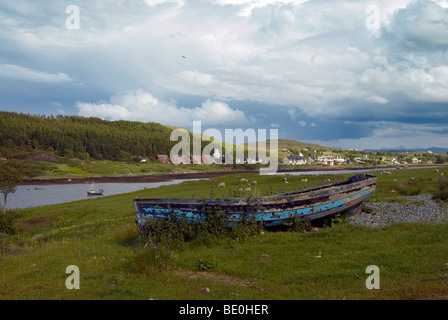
x,y
313,69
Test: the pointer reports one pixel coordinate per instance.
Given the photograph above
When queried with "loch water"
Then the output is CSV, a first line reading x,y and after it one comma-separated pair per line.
x,y
27,196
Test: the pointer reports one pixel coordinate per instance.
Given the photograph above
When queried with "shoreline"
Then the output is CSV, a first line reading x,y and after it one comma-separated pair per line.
x,y
195,175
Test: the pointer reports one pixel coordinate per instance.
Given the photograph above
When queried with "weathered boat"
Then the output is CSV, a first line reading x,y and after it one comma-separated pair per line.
x,y
272,211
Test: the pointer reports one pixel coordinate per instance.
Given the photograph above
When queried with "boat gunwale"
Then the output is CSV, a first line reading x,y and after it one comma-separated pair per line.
x,y
359,188
309,194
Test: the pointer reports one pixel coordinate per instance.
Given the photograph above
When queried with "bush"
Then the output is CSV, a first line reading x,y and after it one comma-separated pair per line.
x,y
295,224
7,222
215,224
409,187
442,190
168,235
204,265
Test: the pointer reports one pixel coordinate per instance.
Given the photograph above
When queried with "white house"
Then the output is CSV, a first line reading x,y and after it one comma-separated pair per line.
x,y
251,160
326,159
294,160
240,160
338,160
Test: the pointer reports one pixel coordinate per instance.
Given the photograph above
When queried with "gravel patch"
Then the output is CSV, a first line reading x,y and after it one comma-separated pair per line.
x,y
419,208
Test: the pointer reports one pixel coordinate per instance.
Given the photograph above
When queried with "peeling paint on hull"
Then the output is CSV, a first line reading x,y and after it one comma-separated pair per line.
x,y
272,211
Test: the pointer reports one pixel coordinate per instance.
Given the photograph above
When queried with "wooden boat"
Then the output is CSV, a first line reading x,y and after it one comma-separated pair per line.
x,y
93,192
272,211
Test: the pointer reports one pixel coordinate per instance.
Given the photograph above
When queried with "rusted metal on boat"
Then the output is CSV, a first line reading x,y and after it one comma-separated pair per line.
x,y
271,211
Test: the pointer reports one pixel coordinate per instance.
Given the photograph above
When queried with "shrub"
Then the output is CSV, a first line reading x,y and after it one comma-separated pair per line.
x,y
214,224
409,187
7,220
441,192
295,224
168,235
204,265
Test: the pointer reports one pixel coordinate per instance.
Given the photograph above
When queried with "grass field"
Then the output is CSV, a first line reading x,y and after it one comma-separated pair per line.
x,y
82,169
100,237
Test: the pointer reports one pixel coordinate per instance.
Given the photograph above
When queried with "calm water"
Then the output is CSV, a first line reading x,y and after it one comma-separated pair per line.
x,y
28,196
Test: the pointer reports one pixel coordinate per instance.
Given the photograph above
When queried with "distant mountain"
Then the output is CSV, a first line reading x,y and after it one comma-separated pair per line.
x,y
403,149
437,150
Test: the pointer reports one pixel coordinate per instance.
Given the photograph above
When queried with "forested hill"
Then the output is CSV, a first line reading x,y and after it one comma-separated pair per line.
x,y
74,136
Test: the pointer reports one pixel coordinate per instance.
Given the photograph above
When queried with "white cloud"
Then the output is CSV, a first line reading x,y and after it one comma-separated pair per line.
x,y
376,99
196,78
421,25
153,3
247,6
315,60
140,105
11,71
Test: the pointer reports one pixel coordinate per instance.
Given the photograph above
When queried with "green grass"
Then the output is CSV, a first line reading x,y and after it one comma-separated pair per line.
x,y
89,168
407,182
100,236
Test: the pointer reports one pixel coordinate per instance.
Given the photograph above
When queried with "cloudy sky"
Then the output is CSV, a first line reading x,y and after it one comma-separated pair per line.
x,y
350,74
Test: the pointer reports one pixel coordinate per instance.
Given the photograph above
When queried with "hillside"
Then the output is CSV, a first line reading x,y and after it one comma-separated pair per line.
x,y
287,147
91,146
25,135
79,137
294,144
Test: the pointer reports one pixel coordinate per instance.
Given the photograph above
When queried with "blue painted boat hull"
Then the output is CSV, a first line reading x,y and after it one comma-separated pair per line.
x,y
271,211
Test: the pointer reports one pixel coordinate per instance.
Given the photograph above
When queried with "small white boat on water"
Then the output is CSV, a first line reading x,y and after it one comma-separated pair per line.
x,y
94,192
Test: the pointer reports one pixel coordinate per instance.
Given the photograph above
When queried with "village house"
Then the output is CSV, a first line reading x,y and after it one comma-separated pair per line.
x,y
338,160
178,159
209,159
330,160
252,160
390,160
294,160
240,160
163,158
195,159
326,159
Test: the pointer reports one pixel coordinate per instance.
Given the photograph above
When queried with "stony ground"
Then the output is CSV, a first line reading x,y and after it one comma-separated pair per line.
x,y
420,208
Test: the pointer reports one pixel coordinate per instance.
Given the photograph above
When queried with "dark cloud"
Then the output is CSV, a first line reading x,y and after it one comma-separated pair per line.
x,y
312,69
421,26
